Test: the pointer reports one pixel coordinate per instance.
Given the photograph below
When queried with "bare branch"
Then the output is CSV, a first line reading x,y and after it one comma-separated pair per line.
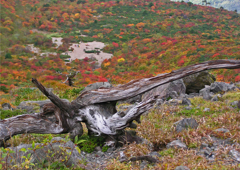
x,y
64,106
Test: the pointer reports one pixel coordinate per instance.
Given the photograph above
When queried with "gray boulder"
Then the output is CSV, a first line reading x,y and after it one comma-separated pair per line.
x,y
186,101
192,95
177,143
196,82
97,85
215,98
205,93
185,124
235,155
181,168
234,103
165,91
222,87
173,102
206,110
59,146
6,106
223,130
155,154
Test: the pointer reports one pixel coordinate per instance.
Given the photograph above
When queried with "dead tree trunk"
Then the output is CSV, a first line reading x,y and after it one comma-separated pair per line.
x,y
97,108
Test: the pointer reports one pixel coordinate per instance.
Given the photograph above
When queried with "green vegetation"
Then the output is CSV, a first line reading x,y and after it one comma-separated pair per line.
x,y
4,114
89,143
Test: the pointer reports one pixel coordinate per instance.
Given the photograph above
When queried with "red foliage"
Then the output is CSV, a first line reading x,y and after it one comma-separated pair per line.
x,y
50,77
237,78
215,55
102,79
115,44
4,75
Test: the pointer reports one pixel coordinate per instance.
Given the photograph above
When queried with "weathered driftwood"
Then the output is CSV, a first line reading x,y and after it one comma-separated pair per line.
x,y
97,108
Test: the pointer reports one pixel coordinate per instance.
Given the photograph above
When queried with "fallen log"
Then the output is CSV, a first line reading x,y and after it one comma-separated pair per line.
x,y
97,108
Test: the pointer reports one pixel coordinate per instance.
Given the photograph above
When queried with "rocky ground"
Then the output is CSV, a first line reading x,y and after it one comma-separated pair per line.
x,y
198,130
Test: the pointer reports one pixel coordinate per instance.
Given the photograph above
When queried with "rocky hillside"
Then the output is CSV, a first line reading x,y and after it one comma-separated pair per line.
x,y
230,5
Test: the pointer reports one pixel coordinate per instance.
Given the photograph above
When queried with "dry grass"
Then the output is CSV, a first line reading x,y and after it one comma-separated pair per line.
x,y
158,128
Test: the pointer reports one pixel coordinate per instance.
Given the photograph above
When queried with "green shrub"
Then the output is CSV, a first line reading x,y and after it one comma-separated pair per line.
x,y
90,142
96,73
71,93
150,4
10,113
105,148
4,89
8,56
62,56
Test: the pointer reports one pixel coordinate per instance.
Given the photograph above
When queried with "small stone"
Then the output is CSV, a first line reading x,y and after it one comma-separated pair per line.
x,y
206,110
186,101
206,152
205,93
222,130
188,108
185,124
6,106
155,154
182,95
110,143
173,94
122,155
181,168
111,149
174,102
159,102
192,95
143,165
235,154
203,145
149,144
215,98
177,143
98,148
234,104
218,87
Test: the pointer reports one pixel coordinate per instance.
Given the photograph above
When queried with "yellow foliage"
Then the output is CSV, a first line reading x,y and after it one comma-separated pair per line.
x,y
55,84
87,80
107,64
76,15
120,60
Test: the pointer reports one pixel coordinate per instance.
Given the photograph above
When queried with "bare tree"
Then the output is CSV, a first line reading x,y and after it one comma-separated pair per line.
x,y
97,108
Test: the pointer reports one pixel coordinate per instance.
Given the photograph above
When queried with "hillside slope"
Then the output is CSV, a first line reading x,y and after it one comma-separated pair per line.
x,y
146,38
230,5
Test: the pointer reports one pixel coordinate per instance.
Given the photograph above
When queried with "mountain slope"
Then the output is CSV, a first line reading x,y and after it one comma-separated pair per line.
x,y
230,5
